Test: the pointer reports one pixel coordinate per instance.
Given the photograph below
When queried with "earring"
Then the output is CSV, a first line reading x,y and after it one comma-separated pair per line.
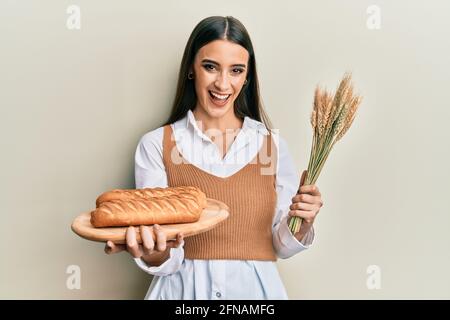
x,y
245,82
190,76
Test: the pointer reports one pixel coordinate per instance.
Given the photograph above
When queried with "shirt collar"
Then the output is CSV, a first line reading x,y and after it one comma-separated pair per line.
x,y
250,128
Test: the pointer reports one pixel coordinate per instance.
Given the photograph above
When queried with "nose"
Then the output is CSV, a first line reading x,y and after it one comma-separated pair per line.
x,y
222,82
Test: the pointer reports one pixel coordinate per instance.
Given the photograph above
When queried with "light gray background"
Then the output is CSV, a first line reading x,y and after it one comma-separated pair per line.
x,y
74,104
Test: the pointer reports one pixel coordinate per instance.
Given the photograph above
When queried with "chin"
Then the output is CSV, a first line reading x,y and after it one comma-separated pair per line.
x,y
218,112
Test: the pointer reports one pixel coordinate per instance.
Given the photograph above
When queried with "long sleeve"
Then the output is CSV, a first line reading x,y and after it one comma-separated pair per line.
x,y
287,183
149,168
150,173
171,265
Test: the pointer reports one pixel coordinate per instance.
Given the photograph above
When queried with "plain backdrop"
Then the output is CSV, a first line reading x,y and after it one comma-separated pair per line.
x,y
75,102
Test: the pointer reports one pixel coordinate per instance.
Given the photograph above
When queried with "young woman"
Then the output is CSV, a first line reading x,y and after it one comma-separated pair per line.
x,y
218,138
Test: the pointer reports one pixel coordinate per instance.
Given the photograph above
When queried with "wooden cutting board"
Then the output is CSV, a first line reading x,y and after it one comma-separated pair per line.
x,y
214,213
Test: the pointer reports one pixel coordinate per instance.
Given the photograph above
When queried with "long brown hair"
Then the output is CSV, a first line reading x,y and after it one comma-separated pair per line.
x,y
248,103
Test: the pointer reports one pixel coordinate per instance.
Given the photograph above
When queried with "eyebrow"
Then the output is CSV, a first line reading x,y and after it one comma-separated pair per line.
x,y
214,62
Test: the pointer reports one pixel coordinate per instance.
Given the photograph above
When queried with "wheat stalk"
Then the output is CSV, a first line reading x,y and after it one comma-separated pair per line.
x,y
331,117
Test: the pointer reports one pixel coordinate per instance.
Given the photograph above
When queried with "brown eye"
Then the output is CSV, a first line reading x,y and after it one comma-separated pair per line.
x,y
208,66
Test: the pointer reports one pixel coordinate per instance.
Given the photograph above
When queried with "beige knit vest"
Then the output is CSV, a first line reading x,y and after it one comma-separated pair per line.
x,y
250,194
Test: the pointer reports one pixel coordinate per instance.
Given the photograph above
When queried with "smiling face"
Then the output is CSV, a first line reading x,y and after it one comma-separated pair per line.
x,y
220,70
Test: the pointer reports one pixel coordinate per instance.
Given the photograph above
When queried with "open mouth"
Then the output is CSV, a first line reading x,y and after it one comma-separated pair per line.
x,y
218,97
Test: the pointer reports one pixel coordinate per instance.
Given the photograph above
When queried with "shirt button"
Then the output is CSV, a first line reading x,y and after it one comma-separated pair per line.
x,y
218,294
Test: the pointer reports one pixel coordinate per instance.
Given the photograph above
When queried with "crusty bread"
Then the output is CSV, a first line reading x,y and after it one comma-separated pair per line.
x,y
145,193
135,207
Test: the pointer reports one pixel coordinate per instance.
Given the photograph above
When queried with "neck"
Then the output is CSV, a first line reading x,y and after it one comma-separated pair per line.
x,y
223,124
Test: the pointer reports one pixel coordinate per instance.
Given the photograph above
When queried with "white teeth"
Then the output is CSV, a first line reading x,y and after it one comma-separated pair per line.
x,y
218,96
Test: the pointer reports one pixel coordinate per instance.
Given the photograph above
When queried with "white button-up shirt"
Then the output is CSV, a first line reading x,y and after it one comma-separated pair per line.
x,y
180,278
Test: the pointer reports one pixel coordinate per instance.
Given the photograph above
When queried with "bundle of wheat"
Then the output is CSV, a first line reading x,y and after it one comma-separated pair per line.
x,y
331,117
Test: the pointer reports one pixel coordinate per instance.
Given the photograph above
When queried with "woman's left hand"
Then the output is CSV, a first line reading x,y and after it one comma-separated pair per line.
x,y
306,204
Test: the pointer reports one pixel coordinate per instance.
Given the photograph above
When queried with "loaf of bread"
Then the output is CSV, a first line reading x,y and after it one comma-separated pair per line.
x,y
147,193
136,207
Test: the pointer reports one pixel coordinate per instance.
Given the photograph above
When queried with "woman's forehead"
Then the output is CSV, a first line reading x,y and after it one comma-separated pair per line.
x,y
223,52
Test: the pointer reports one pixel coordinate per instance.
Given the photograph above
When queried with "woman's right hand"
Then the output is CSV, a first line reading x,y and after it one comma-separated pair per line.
x,y
152,253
